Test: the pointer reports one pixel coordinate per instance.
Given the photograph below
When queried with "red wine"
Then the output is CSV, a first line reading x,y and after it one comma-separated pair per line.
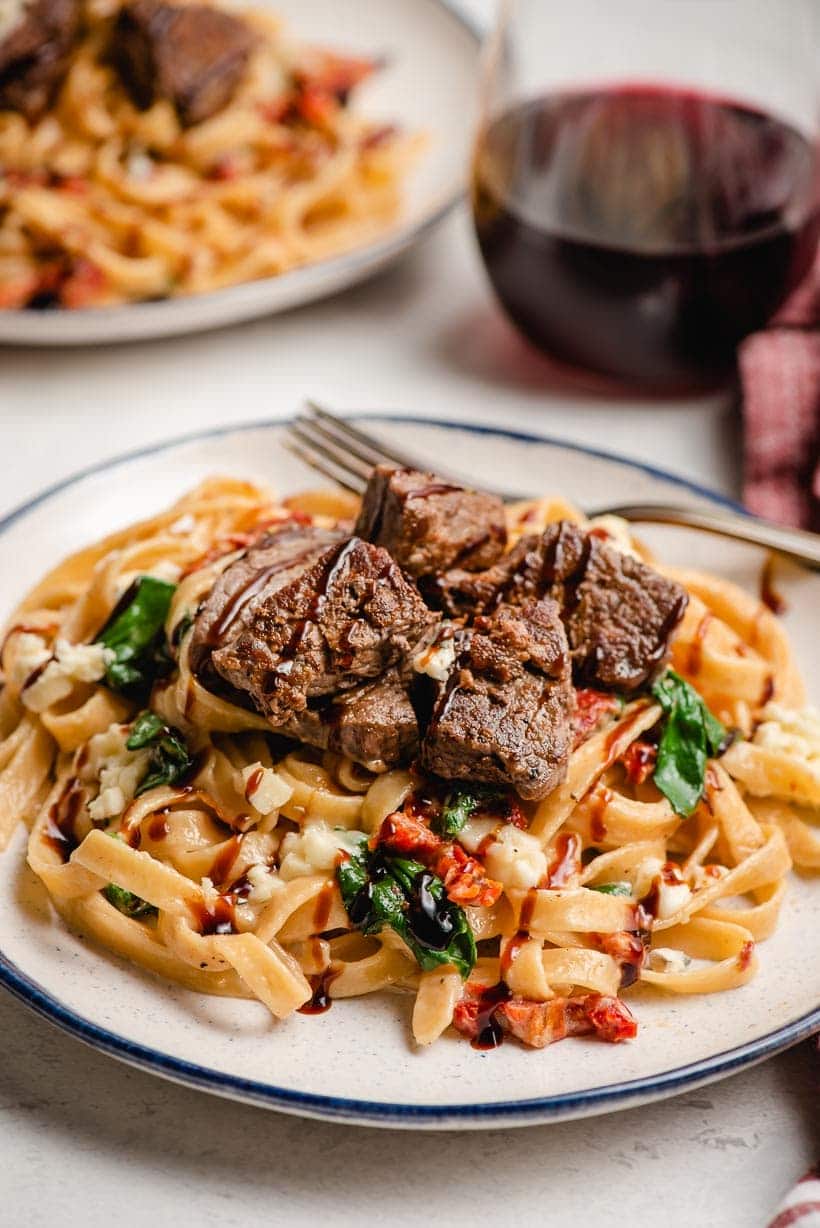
x,y
642,231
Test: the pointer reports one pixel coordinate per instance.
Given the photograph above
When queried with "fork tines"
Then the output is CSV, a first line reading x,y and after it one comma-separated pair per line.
x,y
336,449
346,454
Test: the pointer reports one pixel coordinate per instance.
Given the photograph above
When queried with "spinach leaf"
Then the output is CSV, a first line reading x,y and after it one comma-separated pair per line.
x,y
461,802
128,903
613,888
169,761
690,734
352,877
381,891
146,728
136,636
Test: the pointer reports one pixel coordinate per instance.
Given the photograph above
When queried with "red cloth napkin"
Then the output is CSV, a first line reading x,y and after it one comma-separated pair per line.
x,y
801,1206
780,377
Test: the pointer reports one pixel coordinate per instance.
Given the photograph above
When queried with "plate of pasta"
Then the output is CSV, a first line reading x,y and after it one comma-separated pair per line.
x,y
173,165
419,809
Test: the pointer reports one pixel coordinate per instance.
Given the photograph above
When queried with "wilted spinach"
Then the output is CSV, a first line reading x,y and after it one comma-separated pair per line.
x,y
380,890
135,634
170,760
689,735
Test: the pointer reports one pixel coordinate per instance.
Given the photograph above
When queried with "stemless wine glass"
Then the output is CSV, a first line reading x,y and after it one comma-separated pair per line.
x,y
645,181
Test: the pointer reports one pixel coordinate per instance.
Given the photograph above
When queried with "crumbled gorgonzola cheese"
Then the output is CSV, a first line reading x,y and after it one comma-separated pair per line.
x,y
314,849
671,897
139,165
118,771
666,959
437,660
265,883
791,731
265,789
475,832
70,663
516,859
210,895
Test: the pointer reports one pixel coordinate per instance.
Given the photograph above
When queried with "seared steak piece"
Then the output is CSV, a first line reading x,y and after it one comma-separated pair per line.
x,y
374,723
461,594
619,613
429,525
340,617
195,56
272,562
34,52
504,714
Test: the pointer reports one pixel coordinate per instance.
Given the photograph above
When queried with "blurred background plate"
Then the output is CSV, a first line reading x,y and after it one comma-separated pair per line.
x,y
356,1063
429,84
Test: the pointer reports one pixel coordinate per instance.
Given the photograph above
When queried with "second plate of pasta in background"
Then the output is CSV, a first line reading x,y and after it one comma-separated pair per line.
x,y
345,141
356,1062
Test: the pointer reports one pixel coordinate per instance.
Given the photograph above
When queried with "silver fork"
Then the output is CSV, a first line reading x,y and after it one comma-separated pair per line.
x,y
346,454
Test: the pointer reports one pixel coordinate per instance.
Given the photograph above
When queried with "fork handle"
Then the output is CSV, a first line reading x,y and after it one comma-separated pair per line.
x,y
797,544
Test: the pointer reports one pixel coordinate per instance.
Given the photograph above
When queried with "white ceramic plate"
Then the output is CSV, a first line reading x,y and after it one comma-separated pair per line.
x,y
355,1063
428,85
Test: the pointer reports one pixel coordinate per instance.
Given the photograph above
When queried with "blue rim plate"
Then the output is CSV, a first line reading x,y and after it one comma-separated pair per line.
x,y
518,1111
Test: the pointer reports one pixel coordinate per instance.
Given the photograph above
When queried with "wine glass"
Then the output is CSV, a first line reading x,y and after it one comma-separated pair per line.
x,y
645,179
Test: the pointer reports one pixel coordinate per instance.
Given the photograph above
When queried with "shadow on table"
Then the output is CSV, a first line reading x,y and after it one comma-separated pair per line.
x,y
483,344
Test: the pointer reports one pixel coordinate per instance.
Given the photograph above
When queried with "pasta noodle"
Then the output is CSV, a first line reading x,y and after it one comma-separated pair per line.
x,y
231,890
102,203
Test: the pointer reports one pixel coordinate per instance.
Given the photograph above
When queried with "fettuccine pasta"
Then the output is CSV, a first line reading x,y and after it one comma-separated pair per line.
x,y
103,203
227,880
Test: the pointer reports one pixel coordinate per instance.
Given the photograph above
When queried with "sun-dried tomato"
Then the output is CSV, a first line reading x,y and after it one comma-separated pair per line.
x,y
83,286
476,1015
611,1018
628,948
315,105
464,877
406,835
591,707
639,761
539,1024
334,75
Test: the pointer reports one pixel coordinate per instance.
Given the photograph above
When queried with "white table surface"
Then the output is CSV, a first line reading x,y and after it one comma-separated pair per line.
x,y
84,1140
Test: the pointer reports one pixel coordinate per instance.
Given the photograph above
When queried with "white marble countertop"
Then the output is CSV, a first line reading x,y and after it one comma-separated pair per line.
x,y
84,1140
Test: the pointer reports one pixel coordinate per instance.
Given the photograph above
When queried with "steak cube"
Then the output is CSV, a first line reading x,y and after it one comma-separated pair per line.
x,y
194,55
34,53
618,612
429,525
267,565
346,616
513,578
373,724
504,714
